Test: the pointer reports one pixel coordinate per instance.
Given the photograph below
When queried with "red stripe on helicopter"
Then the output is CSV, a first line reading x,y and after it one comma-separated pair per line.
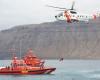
x,y
94,17
68,17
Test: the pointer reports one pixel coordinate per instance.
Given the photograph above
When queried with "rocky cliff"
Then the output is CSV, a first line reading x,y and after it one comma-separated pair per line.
x,y
53,40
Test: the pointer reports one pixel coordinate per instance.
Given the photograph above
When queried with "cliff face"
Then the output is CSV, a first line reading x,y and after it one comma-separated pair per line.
x,y
53,40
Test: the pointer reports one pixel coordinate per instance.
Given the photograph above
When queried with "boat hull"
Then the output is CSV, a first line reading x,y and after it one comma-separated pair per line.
x,y
30,72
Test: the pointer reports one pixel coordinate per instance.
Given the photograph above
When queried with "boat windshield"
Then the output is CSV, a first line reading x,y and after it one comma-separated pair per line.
x,y
21,65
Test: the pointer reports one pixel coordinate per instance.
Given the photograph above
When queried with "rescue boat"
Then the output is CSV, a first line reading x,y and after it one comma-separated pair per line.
x,y
28,65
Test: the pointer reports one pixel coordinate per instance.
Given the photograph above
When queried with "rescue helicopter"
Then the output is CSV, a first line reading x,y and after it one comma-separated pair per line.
x,y
71,15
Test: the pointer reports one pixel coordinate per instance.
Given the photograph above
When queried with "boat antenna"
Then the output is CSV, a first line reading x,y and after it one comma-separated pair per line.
x,y
20,48
12,50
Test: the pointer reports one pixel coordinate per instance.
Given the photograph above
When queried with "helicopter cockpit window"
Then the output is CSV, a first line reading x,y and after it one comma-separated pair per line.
x,y
73,12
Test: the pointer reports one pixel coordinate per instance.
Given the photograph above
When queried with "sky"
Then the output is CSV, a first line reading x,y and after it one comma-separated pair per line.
x,y
19,12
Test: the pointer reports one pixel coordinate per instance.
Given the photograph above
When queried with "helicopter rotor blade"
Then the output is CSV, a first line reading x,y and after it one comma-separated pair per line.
x,y
63,10
60,10
56,7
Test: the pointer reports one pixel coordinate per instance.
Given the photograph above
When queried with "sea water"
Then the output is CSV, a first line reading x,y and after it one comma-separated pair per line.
x,y
65,70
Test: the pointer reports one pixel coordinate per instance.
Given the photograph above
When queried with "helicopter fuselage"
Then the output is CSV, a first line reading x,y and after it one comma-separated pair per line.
x,y
73,16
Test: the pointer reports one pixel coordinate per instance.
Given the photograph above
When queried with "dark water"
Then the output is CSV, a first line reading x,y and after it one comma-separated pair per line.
x,y
66,70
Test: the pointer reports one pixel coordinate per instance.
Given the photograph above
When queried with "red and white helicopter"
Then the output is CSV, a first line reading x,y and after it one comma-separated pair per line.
x,y
71,15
